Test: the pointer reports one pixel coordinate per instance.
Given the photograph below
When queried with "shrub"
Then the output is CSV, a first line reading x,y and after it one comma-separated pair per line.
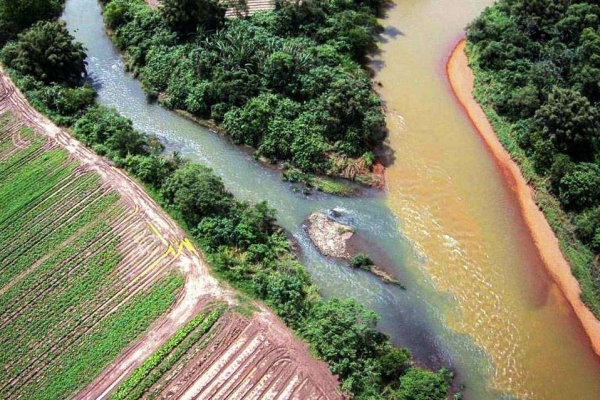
x,y
47,52
361,260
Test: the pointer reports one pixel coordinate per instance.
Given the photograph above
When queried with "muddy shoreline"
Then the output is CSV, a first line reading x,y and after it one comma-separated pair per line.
x,y
461,78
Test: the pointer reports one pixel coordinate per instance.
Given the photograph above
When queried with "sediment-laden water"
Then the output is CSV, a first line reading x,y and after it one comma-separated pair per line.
x,y
460,215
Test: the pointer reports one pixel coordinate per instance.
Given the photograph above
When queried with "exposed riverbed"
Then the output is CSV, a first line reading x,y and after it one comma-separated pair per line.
x,y
477,298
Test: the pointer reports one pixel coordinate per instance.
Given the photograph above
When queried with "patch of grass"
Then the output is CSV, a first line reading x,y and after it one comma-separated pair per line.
x,y
245,305
333,186
363,261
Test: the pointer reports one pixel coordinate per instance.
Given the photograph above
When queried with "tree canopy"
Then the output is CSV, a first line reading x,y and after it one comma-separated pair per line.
x,y
421,384
109,133
538,68
48,52
570,123
289,83
196,192
17,15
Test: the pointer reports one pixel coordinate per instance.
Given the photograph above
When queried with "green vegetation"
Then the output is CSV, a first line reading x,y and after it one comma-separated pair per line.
x,y
188,16
58,278
244,246
108,133
44,60
363,261
17,15
537,70
420,384
343,334
197,192
109,338
325,184
49,68
47,51
326,93
288,83
165,357
62,103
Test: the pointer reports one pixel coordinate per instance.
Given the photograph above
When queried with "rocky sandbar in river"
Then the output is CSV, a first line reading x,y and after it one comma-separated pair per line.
x,y
335,239
330,237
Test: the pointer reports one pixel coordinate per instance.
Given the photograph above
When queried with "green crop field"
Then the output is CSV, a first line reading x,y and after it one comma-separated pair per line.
x,y
67,308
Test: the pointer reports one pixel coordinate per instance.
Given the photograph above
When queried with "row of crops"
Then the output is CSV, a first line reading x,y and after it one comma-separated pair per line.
x,y
163,360
66,311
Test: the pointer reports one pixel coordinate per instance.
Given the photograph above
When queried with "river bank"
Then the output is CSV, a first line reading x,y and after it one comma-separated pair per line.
x,y
461,79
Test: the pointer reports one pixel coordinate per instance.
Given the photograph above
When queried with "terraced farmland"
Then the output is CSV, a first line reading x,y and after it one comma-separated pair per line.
x,y
237,8
244,8
88,263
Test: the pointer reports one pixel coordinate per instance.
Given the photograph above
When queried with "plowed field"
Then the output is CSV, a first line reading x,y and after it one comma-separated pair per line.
x,y
240,358
88,263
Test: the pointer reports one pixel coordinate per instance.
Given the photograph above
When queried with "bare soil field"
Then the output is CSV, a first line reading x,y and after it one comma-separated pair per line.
x,y
253,356
247,358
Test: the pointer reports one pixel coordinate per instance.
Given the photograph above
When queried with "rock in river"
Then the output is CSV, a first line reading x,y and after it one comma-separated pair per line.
x,y
329,236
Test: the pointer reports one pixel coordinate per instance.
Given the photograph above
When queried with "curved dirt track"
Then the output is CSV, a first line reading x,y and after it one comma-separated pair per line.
x,y
291,371
461,80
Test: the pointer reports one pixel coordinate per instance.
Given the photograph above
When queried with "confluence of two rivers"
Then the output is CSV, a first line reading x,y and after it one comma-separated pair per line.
x,y
478,297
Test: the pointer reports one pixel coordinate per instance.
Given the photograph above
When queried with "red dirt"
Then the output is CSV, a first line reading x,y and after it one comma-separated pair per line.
x,y
289,372
251,359
379,173
461,80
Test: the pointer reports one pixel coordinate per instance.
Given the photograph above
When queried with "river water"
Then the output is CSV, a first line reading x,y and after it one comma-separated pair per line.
x,y
477,298
459,214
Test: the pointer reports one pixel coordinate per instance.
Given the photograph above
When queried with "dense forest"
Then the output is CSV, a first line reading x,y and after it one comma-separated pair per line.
x,y
537,66
242,241
289,83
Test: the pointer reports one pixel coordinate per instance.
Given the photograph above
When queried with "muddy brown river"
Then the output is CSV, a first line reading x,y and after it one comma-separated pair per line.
x,y
465,223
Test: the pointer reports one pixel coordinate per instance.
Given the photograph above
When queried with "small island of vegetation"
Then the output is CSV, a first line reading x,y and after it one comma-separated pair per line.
x,y
289,83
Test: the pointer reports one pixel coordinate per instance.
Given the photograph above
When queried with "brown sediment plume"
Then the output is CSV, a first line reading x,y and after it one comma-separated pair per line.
x,y
461,79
